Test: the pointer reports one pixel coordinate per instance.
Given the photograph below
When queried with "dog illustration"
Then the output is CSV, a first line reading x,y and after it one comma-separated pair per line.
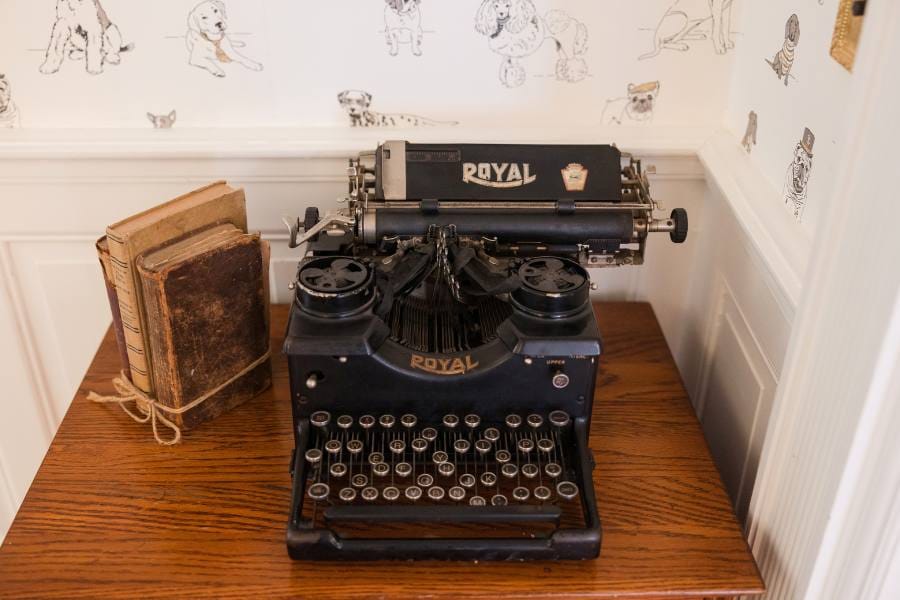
x,y
357,102
711,20
83,30
162,121
9,113
637,105
750,135
784,58
515,31
207,42
403,25
796,180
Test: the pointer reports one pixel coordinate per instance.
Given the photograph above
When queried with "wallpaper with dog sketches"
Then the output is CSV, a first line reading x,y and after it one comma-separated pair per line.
x,y
381,63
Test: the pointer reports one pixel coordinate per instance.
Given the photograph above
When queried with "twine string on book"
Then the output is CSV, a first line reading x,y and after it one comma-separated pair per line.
x,y
152,410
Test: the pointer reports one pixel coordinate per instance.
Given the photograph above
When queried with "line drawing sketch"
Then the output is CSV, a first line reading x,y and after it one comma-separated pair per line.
x,y
208,43
403,25
515,31
357,103
784,58
796,180
690,21
636,105
162,121
750,135
9,112
83,31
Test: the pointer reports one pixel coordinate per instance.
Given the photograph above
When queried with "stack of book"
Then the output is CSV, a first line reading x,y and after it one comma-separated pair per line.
x,y
188,289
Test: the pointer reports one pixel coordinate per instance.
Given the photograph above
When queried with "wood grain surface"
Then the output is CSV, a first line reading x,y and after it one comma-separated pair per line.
x,y
111,514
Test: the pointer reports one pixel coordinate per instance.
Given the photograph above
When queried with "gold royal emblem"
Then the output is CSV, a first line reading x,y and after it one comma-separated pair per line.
x,y
575,177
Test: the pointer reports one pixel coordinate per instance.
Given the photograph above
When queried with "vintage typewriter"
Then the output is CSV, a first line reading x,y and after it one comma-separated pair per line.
x,y
443,350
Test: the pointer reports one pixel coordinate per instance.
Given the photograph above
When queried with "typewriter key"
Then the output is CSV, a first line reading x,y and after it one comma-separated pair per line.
x,y
313,456
439,457
419,445
375,458
542,493
397,446
545,445
553,470
467,480
476,501
386,421
483,446
530,470
503,456
354,446
409,421
429,433
436,493
338,470
525,445
499,500
320,418
403,469
492,434
513,421
367,421
347,494
345,421
451,421
457,493
318,491
381,469
390,493
413,493
521,494
472,421
559,418
535,421
333,446
446,469
369,494
509,470
359,480
425,480
461,446
567,489
488,478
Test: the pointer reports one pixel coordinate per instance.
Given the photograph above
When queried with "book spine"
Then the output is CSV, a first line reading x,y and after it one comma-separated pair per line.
x,y
113,297
132,325
156,309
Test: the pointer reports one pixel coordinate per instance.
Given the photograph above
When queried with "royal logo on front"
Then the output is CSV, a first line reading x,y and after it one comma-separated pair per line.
x,y
498,175
443,366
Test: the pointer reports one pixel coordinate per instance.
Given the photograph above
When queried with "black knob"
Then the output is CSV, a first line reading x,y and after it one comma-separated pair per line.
x,y
310,219
680,219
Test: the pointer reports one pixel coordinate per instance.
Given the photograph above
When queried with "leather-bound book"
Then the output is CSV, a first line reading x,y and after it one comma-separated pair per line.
x,y
108,280
206,302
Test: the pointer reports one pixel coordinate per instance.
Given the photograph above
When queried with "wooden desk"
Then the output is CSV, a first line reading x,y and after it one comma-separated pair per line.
x,y
110,513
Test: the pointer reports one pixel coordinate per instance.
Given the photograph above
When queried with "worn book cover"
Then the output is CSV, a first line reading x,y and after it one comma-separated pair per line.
x,y
207,307
105,265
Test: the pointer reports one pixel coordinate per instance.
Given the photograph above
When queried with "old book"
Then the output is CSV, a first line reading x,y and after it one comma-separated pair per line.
x,y
207,307
103,253
215,203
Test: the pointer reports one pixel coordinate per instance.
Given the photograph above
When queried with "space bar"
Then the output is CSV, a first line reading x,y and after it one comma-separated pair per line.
x,y
445,513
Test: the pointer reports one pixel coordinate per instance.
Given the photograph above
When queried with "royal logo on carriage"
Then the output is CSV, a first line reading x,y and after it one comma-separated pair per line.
x,y
575,177
498,175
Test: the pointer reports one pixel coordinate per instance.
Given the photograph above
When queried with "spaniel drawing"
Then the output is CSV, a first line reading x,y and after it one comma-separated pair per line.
x,y
9,113
403,25
208,43
784,58
83,30
692,20
515,30
357,104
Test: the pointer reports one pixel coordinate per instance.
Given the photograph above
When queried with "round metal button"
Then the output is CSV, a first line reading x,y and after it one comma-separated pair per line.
x,y
318,491
345,421
436,493
425,480
560,381
559,418
503,456
482,446
413,493
476,501
545,445
367,421
333,446
567,489
521,494
390,493
472,421
461,446
338,470
347,494
419,445
488,478
525,445
553,470
313,456
369,494
359,481
439,457
513,421
354,446
386,421
397,446
451,421
509,470
530,470
403,469
375,458
429,433
492,434
457,493
446,469
381,469
535,420
542,493
499,500
409,421
467,480
320,418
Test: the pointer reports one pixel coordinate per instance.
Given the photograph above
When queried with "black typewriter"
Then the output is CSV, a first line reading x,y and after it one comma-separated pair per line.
x,y
443,350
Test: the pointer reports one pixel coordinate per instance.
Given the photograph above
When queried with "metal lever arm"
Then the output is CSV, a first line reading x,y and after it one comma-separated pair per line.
x,y
330,222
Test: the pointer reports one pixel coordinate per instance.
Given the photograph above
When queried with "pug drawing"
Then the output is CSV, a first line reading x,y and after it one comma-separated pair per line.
x,y
637,105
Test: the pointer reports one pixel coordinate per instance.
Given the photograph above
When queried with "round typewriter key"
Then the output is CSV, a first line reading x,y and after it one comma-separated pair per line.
x,y
525,445
320,418
513,421
488,478
545,445
403,469
345,421
359,481
472,421
386,421
367,421
419,445
499,500
483,446
313,456
446,469
397,446
567,489
559,418
553,470
492,434
369,494
333,446
425,480
338,470
318,491
461,446
409,421
436,493
509,470
381,469
542,493
521,494
456,493
467,480
429,433
347,494
535,421
530,470
503,456
476,501
413,493
451,421
390,493
375,458
354,446
439,457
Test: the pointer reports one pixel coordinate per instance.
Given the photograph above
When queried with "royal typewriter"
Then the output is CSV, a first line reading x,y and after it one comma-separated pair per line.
x,y
443,350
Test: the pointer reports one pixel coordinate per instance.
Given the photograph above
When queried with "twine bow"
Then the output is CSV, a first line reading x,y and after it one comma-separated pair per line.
x,y
152,410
